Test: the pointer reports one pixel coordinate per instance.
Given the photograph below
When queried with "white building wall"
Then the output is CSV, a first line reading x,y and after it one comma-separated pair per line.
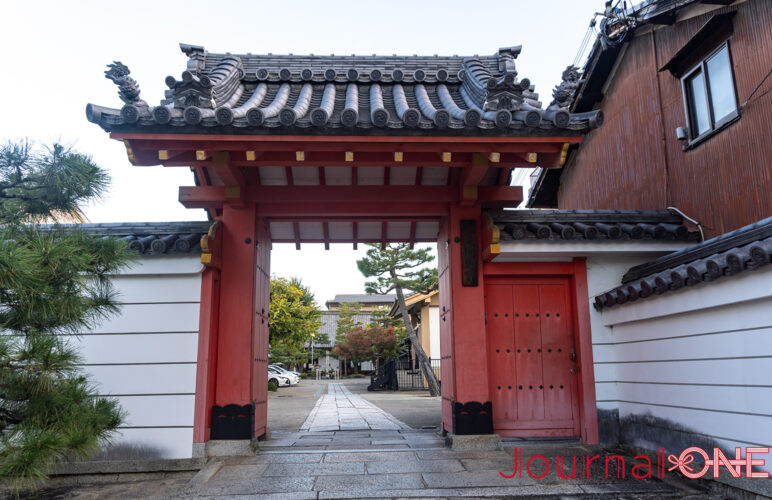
x,y
434,331
603,273
694,362
145,356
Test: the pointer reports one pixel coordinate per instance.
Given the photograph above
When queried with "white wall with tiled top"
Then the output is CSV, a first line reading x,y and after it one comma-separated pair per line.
x,y
697,360
145,356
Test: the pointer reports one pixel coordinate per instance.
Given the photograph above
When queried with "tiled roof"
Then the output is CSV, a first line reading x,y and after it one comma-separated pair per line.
x,y
363,298
372,95
330,325
150,238
745,249
563,225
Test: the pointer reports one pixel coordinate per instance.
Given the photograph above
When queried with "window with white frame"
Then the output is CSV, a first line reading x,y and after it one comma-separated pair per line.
x,y
709,94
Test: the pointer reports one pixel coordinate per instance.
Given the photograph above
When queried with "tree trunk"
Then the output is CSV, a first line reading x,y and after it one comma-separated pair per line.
x,y
423,360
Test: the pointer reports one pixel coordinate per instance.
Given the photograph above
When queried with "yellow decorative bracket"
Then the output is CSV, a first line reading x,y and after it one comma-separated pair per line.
x,y
211,243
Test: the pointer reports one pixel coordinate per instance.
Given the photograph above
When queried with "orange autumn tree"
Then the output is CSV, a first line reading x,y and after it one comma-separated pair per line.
x,y
370,343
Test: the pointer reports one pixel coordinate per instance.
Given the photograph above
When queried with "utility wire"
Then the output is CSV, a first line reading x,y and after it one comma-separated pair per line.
x,y
757,88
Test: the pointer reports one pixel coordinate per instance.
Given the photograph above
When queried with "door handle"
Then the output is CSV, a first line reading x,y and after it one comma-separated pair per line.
x,y
573,354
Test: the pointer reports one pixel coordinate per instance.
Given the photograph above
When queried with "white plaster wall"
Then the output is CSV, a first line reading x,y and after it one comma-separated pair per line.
x,y
697,357
434,331
603,273
146,355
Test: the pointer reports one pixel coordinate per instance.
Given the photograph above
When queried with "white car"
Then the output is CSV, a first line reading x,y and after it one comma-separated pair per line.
x,y
293,376
278,378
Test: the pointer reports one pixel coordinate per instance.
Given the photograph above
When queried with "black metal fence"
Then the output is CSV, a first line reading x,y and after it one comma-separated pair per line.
x,y
403,374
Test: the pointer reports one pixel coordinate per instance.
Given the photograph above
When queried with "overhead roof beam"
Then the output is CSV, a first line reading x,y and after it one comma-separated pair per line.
x,y
390,198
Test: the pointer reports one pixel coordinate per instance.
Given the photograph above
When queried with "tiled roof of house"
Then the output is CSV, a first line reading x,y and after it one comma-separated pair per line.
x,y
363,298
745,249
369,95
150,238
330,325
601,63
572,225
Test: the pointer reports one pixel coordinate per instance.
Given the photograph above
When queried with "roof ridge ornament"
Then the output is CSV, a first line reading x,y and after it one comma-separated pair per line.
x,y
192,90
128,88
128,91
196,56
563,93
506,92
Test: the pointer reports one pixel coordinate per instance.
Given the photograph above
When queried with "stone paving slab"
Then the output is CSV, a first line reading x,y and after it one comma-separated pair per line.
x,y
369,483
340,409
473,479
328,468
500,492
297,495
278,458
371,456
407,466
257,484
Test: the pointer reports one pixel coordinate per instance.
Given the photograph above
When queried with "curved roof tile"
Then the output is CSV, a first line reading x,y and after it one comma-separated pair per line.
x,y
248,93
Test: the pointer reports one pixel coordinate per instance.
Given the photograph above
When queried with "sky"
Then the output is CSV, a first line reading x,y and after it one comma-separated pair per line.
x,y
57,51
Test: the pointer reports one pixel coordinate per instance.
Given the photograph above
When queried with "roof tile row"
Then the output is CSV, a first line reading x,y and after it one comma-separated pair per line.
x,y
746,249
333,92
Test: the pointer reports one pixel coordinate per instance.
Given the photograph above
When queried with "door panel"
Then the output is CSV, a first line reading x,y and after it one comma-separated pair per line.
x,y
531,350
498,310
528,353
557,351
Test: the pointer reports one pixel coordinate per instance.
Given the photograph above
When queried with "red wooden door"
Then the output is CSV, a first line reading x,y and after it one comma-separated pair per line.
x,y
531,357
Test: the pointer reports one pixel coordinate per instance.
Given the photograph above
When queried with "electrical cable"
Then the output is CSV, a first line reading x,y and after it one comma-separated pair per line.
x,y
757,88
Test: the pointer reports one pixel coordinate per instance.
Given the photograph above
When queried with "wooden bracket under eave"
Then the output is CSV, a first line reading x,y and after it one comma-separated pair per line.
x,y
130,152
468,195
471,176
211,246
563,155
491,236
234,196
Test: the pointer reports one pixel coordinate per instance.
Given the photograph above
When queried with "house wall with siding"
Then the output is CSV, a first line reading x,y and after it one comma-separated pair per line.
x,y
145,356
690,368
634,161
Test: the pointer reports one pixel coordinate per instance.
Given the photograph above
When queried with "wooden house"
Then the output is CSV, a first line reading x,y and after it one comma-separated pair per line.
x,y
685,90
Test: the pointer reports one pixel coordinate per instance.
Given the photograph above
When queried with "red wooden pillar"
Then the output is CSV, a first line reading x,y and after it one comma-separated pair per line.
x,y
208,321
259,353
446,324
466,407
230,369
588,409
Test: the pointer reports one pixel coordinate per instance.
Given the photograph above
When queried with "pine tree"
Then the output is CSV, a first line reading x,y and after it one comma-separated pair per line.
x,y
346,321
398,267
54,284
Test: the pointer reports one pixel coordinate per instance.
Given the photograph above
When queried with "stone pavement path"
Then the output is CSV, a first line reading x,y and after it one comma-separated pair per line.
x,y
349,448
341,410
404,464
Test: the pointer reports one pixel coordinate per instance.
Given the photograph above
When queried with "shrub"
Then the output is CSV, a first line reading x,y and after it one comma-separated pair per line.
x,y
272,387
357,375
304,375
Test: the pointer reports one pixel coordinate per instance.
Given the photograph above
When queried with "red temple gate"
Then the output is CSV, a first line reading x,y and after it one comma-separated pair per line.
x,y
340,150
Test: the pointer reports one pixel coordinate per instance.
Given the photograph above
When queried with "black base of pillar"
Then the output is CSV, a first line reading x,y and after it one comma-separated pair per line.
x,y
233,422
472,418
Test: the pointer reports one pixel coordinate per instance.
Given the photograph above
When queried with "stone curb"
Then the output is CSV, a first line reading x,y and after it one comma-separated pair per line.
x,y
128,466
201,478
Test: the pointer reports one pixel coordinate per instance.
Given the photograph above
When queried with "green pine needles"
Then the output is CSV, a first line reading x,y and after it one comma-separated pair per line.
x,y
54,285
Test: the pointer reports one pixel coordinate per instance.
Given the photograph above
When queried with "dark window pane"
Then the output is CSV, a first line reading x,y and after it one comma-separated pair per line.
x,y
720,83
698,104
